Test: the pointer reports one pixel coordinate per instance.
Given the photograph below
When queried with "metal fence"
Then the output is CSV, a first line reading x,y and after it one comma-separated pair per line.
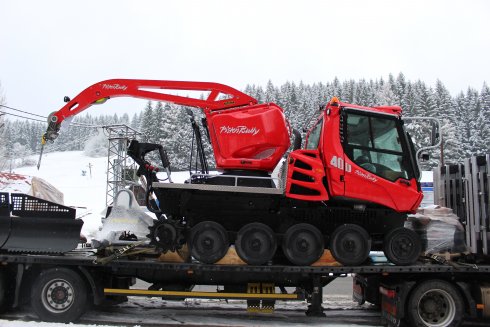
x,y
465,188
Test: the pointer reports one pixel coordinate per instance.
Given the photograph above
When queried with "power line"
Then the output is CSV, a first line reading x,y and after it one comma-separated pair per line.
x,y
29,113
25,112
42,121
8,113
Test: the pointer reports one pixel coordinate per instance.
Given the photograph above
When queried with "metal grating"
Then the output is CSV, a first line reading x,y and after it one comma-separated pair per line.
x,y
465,188
121,170
25,205
4,204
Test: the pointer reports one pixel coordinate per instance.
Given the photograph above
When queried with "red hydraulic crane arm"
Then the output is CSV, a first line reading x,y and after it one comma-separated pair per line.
x,y
136,88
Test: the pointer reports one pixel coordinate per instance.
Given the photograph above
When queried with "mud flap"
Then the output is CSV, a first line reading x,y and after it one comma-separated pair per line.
x,y
41,226
4,229
4,218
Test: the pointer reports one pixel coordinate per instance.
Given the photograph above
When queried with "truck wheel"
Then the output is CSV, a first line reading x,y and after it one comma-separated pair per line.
x,y
59,295
303,244
208,242
435,303
402,246
256,243
350,244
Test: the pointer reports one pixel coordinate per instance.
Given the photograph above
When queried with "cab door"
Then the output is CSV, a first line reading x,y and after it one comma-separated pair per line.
x,y
381,169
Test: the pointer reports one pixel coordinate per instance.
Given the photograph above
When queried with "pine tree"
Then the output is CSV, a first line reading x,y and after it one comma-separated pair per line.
x,y
146,126
475,124
271,93
484,119
386,96
158,118
400,88
463,127
135,121
446,113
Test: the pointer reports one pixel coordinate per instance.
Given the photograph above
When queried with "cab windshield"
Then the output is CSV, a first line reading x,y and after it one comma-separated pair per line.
x,y
314,136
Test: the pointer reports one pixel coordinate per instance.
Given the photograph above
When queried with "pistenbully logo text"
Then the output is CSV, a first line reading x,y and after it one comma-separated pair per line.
x,y
239,130
114,87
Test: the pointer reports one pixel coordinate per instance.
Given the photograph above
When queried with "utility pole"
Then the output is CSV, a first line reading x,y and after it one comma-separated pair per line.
x,y
442,150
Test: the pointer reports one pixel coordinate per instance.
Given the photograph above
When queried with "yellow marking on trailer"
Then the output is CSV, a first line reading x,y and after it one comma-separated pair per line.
x,y
114,291
480,306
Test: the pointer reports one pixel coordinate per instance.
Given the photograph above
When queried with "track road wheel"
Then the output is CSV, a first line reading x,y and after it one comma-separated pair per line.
x,y
256,243
435,303
402,246
350,244
59,295
208,242
303,244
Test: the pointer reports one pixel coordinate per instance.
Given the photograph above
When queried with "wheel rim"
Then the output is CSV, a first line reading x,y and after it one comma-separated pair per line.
x,y
58,295
303,244
350,244
402,246
209,242
436,308
256,243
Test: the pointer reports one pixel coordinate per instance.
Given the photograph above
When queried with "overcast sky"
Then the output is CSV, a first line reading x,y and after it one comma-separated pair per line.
x,y
49,49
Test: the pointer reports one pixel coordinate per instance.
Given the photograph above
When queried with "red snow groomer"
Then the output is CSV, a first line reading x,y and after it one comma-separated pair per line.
x,y
349,189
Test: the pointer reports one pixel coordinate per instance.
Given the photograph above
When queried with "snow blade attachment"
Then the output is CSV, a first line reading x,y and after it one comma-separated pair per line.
x,y
36,225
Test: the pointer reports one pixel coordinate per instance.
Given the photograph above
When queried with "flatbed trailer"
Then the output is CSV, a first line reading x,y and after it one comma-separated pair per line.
x,y
61,287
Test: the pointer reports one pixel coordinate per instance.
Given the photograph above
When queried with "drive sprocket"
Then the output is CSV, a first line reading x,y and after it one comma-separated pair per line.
x,y
167,235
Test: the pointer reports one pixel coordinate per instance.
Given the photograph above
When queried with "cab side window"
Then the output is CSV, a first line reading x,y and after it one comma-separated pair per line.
x,y
373,143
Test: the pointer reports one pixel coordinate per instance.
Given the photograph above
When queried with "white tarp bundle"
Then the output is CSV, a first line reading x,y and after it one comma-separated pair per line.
x,y
439,229
35,186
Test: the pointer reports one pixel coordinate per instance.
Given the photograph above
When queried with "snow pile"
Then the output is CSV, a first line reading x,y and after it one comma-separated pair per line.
x,y
97,146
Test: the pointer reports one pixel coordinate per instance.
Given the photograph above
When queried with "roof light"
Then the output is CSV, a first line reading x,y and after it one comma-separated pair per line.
x,y
334,102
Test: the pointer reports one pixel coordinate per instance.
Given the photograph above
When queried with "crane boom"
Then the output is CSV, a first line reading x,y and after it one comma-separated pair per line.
x,y
220,97
244,134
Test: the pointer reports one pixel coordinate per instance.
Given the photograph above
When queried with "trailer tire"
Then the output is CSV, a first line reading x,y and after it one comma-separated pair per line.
x,y
435,303
59,295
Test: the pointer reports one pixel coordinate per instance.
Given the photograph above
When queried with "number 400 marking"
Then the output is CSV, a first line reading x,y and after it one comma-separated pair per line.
x,y
339,163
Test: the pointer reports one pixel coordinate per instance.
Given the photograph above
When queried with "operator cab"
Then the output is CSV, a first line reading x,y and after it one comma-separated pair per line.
x,y
367,156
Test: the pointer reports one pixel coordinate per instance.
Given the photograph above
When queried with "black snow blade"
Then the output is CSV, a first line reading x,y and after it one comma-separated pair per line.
x,y
39,226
